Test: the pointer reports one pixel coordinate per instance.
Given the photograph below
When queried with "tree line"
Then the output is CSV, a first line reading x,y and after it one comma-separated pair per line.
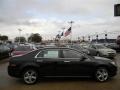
x,y
3,37
36,38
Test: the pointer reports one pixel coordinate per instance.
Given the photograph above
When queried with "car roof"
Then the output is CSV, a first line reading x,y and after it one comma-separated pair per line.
x,y
56,48
60,48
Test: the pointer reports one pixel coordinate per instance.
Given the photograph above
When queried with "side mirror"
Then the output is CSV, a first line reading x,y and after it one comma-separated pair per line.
x,y
82,58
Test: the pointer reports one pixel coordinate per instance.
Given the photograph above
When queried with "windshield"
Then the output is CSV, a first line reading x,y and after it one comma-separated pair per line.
x,y
100,47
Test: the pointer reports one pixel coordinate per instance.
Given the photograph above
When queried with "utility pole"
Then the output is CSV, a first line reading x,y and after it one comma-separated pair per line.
x,y
71,22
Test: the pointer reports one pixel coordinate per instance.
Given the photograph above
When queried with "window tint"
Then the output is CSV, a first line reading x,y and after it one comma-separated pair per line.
x,y
71,54
49,54
23,48
92,46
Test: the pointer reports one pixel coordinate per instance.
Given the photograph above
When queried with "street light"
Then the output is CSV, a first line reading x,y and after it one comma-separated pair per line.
x,y
20,30
27,34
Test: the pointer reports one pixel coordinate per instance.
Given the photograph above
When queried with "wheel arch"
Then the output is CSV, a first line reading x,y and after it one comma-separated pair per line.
x,y
29,66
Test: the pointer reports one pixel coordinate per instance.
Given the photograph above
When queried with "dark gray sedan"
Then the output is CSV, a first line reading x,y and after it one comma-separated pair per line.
x,y
60,62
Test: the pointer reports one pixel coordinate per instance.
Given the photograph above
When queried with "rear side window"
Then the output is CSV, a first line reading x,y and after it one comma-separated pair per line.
x,y
71,54
49,54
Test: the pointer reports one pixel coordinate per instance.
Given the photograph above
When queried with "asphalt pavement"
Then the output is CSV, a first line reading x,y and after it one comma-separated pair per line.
x,y
9,83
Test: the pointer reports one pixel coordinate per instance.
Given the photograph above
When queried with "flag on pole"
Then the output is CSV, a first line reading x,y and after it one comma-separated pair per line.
x,y
58,36
62,34
68,32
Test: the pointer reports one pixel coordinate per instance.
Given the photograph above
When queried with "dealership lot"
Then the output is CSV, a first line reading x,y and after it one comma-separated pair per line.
x,y
7,82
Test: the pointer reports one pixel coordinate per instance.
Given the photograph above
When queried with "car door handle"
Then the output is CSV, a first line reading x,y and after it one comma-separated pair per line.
x,y
66,61
39,60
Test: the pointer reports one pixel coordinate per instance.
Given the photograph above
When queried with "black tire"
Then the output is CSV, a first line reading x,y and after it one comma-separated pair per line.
x,y
101,74
30,76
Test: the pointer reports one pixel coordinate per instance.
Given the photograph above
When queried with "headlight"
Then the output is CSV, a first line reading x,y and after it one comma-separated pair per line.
x,y
113,63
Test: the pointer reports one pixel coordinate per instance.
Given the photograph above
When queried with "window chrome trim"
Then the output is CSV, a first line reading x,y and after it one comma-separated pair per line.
x,y
36,56
53,58
58,58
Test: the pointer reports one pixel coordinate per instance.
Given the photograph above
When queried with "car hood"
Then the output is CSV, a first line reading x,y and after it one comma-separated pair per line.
x,y
106,50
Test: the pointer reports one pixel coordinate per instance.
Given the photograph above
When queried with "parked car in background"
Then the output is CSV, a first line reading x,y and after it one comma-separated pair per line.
x,y
38,45
11,46
113,46
4,51
103,51
85,45
60,62
92,51
83,49
20,50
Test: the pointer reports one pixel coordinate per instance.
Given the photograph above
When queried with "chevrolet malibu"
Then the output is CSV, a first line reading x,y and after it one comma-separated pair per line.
x,y
60,62
103,51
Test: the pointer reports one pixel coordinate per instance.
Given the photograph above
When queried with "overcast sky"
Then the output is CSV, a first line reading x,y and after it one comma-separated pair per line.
x,y
47,17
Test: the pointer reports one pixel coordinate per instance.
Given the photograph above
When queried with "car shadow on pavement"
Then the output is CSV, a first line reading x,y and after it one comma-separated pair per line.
x,y
64,80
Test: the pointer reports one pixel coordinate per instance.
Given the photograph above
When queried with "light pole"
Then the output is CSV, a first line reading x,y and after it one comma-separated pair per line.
x,y
20,30
27,37
106,36
63,33
89,38
63,30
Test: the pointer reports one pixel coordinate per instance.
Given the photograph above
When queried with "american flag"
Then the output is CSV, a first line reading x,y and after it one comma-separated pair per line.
x,y
68,32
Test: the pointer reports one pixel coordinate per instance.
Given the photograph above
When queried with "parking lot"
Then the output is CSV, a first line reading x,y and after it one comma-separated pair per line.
x,y
9,83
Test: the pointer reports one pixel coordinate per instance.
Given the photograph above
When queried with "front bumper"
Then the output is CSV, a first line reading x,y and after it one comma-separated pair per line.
x,y
109,55
113,71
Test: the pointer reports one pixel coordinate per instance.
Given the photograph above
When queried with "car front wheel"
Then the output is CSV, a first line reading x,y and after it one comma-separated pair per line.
x,y
101,74
30,76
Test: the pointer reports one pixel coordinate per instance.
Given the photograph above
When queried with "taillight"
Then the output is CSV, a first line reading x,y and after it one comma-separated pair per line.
x,y
13,65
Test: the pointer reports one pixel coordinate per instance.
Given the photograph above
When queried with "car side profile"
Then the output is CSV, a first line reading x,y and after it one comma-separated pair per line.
x,y
57,62
4,51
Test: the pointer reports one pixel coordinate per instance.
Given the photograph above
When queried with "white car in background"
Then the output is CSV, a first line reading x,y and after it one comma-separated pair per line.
x,y
103,51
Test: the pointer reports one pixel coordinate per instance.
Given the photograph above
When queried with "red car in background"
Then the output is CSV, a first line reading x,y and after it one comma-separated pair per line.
x,y
21,50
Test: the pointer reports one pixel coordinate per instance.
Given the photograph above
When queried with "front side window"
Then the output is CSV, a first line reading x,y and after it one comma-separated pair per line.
x,y
71,54
49,54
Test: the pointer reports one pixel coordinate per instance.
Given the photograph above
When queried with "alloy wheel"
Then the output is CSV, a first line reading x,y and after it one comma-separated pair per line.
x,y
30,76
102,74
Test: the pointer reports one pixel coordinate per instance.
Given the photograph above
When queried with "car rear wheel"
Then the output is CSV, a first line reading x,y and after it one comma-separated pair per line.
x,y
30,76
101,74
